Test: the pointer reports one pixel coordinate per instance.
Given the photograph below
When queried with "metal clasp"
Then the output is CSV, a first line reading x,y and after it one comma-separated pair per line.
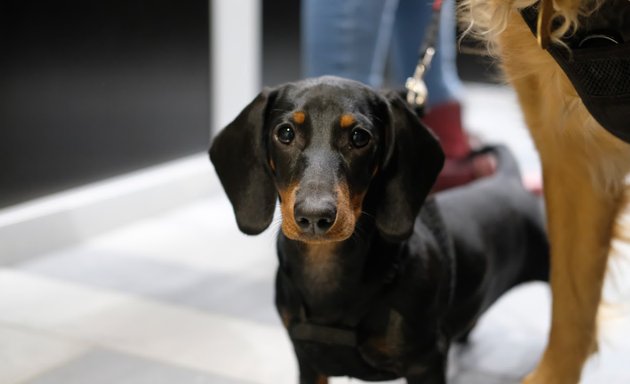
x,y
417,92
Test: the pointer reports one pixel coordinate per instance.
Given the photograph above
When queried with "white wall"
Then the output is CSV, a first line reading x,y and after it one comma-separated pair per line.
x,y
235,57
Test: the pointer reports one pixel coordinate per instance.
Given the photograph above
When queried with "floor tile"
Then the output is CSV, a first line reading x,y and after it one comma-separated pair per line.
x,y
25,353
107,367
202,235
164,280
219,344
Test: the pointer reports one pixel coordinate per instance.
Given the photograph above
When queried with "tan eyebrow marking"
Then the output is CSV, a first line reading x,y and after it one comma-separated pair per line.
x,y
299,117
346,121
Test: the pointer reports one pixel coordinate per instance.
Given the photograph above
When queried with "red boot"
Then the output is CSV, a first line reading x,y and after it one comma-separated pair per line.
x,y
461,165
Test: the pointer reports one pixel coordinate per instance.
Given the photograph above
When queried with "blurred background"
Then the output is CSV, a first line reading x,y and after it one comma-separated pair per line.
x,y
95,89
120,260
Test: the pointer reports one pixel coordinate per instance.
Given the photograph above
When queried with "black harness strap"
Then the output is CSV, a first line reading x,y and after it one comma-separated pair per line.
x,y
598,63
307,331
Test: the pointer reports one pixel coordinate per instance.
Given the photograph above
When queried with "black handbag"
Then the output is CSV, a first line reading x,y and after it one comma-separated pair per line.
x,y
597,62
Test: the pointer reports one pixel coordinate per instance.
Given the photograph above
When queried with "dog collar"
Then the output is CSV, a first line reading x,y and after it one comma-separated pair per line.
x,y
597,62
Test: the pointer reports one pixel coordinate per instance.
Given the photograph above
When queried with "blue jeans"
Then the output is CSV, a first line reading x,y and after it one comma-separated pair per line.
x,y
356,38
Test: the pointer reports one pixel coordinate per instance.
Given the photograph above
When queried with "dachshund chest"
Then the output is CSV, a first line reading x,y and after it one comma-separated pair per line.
x,y
345,351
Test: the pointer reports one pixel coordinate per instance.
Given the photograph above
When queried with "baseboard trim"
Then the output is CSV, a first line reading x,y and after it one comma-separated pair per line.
x,y
63,219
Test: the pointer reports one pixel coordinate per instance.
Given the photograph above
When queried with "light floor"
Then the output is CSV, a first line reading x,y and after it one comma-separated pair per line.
x,y
183,297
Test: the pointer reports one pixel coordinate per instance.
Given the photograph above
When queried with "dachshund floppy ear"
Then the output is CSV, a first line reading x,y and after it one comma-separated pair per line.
x,y
239,157
415,162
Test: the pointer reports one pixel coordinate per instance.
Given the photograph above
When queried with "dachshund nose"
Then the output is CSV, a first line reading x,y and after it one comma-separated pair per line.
x,y
315,217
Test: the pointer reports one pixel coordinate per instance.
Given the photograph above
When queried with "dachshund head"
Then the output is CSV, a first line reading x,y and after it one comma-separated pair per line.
x,y
321,146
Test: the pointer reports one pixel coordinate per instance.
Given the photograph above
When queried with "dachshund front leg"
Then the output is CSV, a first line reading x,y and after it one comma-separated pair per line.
x,y
432,369
308,375
433,374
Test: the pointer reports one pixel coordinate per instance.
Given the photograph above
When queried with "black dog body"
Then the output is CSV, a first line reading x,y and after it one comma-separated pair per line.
x,y
405,301
360,311
371,283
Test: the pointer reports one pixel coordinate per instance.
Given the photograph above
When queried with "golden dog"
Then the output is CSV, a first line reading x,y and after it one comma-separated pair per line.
x,y
584,167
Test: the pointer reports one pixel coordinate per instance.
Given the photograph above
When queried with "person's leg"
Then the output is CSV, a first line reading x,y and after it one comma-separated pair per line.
x,y
347,38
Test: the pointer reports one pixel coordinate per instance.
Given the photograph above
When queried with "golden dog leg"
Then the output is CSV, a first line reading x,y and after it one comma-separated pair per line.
x,y
581,215
583,166
580,228
583,169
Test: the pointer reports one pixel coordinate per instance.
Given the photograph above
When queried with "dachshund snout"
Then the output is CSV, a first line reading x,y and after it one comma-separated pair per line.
x,y
315,215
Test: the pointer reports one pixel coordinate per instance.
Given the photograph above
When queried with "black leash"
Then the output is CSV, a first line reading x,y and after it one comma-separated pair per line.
x,y
417,92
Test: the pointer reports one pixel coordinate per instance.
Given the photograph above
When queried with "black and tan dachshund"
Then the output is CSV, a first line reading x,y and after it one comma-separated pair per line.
x,y
373,282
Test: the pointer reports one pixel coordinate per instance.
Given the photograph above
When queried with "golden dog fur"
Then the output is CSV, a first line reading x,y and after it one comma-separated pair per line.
x,y
584,168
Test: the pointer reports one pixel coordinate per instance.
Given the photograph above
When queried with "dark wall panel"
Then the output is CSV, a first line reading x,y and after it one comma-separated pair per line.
x,y
281,41
91,89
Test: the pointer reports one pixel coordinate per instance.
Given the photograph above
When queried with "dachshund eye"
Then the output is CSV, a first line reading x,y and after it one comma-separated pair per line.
x,y
360,137
285,134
